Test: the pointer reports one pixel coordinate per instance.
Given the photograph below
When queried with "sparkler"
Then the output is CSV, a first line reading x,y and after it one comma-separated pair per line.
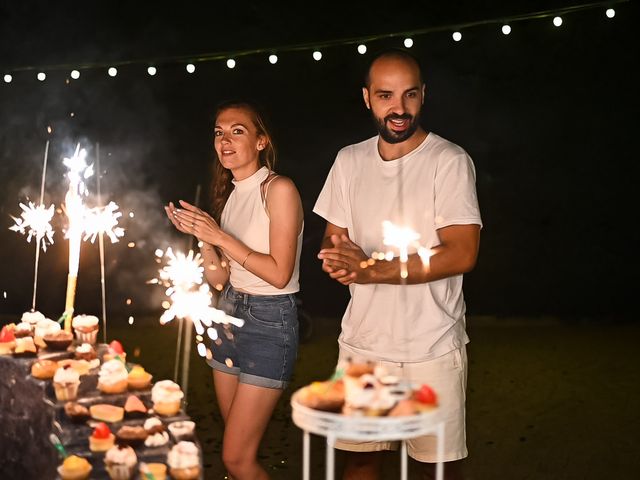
x,y
35,221
402,239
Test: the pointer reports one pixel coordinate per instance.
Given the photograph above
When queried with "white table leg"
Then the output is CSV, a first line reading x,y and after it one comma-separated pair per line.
x,y
305,455
440,448
331,441
403,460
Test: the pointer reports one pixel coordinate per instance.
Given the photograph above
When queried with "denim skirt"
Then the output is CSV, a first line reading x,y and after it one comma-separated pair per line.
x,y
263,351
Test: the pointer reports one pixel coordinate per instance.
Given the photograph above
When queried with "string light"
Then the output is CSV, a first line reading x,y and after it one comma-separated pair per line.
x,y
75,74
407,37
152,71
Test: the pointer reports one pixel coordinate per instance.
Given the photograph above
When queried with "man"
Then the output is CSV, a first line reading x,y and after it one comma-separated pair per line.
x,y
413,326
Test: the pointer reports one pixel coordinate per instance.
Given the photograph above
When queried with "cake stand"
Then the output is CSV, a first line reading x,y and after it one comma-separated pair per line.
x,y
334,425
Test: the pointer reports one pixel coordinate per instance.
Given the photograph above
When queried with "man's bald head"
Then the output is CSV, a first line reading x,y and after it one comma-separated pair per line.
x,y
395,54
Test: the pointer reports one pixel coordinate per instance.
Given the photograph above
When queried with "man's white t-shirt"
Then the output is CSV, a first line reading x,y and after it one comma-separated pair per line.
x,y
429,188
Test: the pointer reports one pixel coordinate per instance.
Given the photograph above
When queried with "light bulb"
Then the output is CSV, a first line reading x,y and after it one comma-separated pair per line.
x,y
408,42
273,59
75,74
506,29
231,63
457,36
362,49
113,71
152,71
191,68
557,21
317,55
42,76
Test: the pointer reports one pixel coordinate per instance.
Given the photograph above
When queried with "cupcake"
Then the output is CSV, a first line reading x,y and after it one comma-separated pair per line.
x,y
158,471
25,347
77,413
138,378
44,369
112,377
101,439
115,350
32,318
85,352
7,340
184,461
59,340
86,328
120,462
65,382
182,430
74,468
134,436
166,396
42,328
23,329
80,366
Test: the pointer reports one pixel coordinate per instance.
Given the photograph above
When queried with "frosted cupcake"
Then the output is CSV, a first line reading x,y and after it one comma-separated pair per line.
x,y
44,327
184,461
32,318
23,329
85,328
182,430
112,377
158,470
120,462
166,396
65,382
74,468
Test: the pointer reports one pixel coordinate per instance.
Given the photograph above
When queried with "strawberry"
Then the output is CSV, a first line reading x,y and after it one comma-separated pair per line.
x,y
116,346
101,431
6,334
426,395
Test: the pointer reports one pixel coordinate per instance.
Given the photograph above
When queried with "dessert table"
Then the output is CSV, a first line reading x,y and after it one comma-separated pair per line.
x,y
335,426
30,413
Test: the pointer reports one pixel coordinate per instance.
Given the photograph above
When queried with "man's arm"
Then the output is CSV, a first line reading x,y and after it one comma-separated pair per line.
x,y
456,254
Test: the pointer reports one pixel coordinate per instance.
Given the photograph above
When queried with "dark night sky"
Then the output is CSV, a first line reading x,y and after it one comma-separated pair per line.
x,y
547,114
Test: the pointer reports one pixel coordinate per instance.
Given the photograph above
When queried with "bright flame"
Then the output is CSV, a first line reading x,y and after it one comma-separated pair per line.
x,y
35,222
402,239
103,220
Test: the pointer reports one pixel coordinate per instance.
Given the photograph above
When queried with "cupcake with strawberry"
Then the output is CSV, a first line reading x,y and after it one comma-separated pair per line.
x,y
101,439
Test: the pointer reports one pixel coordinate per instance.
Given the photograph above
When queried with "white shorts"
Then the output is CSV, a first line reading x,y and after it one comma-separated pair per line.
x,y
447,375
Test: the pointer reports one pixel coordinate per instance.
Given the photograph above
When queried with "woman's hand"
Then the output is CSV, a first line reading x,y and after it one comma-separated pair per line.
x,y
193,221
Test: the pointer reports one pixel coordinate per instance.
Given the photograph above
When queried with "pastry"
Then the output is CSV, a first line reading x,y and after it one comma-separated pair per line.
x,y
32,318
25,347
74,468
166,396
120,462
106,412
23,329
86,328
44,369
153,425
184,461
42,328
85,352
158,471
182,430
65,382
7,340
327,395
112,377
101,439
138,378
115,350
59,340
77,413
80,366
157,440
133,436
134,408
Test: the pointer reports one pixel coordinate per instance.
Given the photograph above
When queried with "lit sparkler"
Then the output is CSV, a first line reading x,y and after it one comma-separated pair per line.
x,y
403,239
35,222
103,220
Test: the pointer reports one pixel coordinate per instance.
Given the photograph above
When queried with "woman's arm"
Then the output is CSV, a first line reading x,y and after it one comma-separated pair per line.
x,y
285,213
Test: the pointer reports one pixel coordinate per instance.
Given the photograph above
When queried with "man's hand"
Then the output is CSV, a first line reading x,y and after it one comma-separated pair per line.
x,y
345,262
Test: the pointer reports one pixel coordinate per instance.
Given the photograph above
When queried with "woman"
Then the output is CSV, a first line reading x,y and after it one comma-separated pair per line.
x,y
251,243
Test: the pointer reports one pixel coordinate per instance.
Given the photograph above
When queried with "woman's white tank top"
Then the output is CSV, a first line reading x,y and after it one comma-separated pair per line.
x,y
245,217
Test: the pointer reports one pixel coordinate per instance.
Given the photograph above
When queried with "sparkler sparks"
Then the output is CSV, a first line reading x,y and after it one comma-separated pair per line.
x,y
35,222
403,239
102,220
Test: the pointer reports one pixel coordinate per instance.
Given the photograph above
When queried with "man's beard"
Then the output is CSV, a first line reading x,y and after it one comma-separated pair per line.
x,y
390,136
